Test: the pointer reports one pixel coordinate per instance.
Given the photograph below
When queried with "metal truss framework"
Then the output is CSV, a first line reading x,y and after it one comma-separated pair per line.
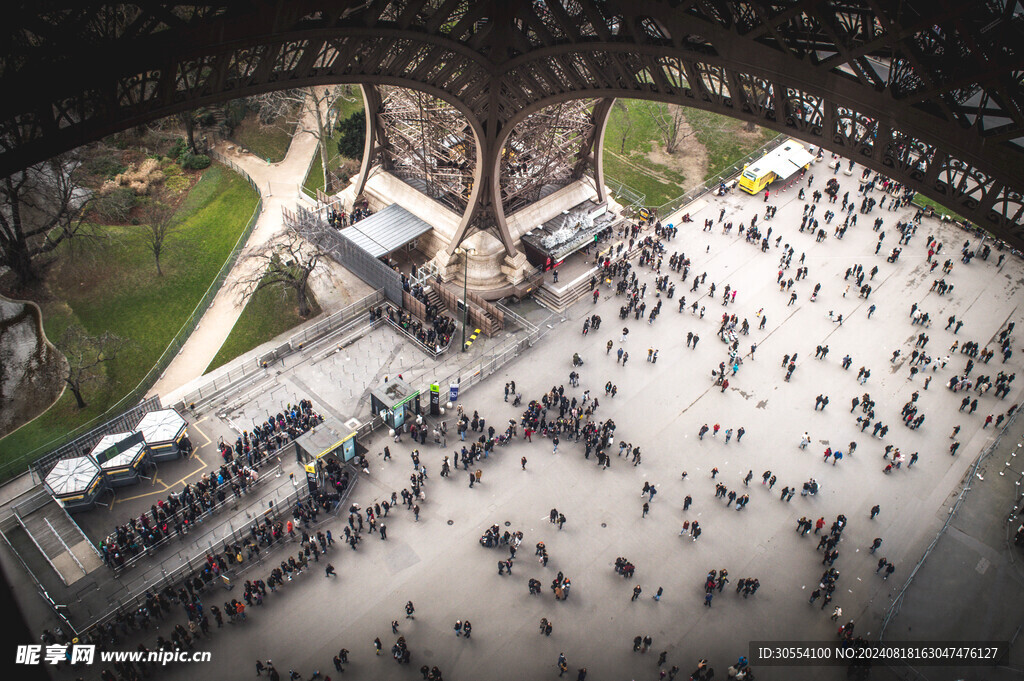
x,y
428,142
928,92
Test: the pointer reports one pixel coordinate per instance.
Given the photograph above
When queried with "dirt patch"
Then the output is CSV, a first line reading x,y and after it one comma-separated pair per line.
x,y
690,159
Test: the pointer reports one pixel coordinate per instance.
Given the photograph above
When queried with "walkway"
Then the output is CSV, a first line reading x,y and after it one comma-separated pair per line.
x,y
279,184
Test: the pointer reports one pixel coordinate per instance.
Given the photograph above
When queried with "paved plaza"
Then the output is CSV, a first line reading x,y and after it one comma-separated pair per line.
x,y
438,563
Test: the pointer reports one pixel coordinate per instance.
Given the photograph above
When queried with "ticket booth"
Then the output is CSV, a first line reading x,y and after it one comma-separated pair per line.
x,y
122,457
76,483
395,401
332,439
164,434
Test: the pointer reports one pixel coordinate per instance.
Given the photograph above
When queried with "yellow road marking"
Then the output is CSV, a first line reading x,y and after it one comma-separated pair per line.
x,y
165,485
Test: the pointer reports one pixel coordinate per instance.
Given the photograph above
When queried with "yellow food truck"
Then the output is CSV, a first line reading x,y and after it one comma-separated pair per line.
x,y
779,164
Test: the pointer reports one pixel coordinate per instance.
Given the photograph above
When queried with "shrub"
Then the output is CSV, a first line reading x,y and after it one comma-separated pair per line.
x,y
352,135
114,206
191,161
139,179
102,166
177,184
177,149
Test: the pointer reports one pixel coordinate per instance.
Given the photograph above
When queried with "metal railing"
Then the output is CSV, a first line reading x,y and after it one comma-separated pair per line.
x,y
337,319
516,319
423,347
8,469
669,207
166,575
621,190
897,602
148,550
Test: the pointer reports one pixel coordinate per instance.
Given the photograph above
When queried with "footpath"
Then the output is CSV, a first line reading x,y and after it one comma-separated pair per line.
x,y
279,185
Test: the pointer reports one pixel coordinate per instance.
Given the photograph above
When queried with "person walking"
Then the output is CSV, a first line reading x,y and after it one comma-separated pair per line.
x,y
707,598
875,510
636,592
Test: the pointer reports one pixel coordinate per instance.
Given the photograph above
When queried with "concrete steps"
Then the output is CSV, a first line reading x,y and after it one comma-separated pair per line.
x,y
559,299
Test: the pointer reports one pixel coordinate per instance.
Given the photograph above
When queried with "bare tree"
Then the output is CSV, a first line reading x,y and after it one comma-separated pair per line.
x,y
40,207
309,111
627,123
85,354
670,121
288,261
160,226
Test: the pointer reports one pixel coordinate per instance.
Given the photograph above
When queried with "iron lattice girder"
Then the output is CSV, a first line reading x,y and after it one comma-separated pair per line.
x,y
428,139
934,88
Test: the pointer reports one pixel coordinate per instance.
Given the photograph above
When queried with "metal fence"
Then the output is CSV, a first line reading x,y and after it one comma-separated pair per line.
x,y
336,320
965,487
10,468
624,194
491,361
149,550
664,210
234,531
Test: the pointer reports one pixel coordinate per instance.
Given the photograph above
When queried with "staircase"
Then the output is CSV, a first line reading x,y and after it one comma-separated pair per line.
x,y
61,541
560,299
435,300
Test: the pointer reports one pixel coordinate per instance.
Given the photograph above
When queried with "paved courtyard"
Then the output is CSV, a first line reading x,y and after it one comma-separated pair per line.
x,y
439,564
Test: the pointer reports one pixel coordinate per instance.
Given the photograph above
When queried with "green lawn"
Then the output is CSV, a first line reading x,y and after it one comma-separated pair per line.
x,y
346,106
632,133
267,314
925,202
111,285
717,134
269,142
657,191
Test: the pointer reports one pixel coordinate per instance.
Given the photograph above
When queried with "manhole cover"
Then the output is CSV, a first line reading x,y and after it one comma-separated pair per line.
x,y
604,524
451,522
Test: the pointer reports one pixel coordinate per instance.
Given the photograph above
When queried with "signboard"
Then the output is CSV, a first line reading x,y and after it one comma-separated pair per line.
x,y
123,445
435,399
453,392
348,449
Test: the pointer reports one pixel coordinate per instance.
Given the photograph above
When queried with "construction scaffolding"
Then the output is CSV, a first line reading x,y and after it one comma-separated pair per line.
x,y
429,145
548,150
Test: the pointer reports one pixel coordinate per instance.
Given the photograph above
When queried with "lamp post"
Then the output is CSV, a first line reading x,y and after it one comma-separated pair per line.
x,y
465,286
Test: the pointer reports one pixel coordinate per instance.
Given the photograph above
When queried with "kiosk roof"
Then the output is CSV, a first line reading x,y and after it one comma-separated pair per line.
x,y
72,476
161,426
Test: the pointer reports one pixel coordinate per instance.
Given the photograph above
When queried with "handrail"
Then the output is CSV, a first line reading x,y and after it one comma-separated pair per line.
x,y
669,207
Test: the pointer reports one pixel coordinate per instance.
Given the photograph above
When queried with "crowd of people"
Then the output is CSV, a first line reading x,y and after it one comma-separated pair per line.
x,y
435,337
268,437
179,513
564,416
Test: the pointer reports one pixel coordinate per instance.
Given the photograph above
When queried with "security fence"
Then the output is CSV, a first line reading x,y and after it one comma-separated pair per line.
x,y
316,231
669,207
